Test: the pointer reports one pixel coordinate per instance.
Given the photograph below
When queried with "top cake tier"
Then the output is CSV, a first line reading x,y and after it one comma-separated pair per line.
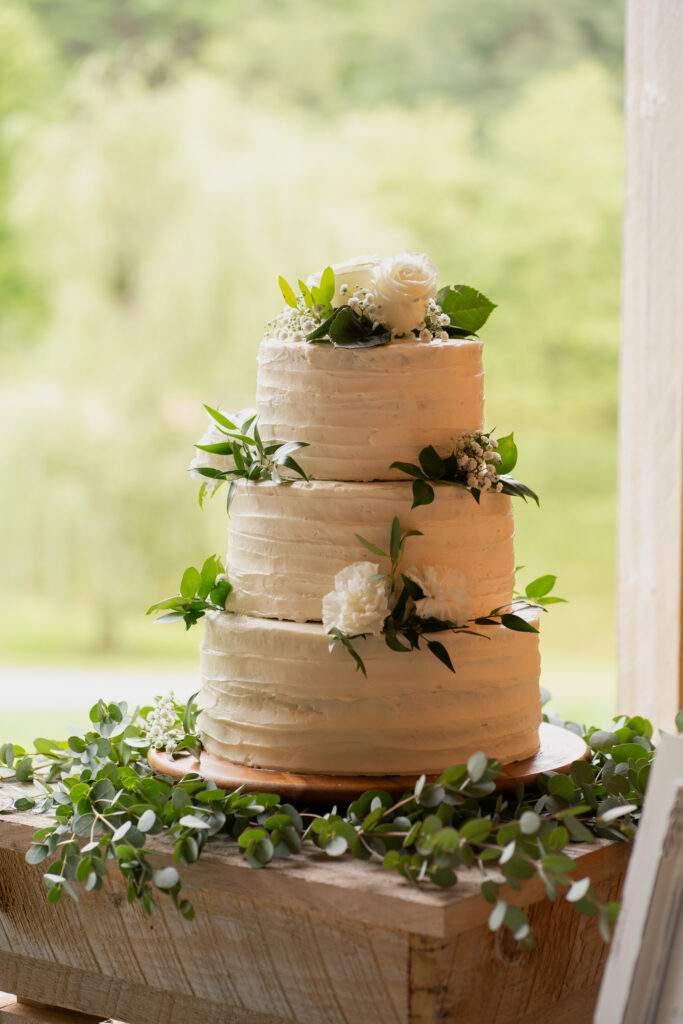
x,y
359,410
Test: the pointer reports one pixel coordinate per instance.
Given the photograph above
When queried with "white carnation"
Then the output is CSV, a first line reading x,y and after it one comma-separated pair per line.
x,y
403,286
357,604
446,596
350,275
223,462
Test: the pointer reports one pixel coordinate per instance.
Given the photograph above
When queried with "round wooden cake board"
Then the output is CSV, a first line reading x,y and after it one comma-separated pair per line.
x,y
558,750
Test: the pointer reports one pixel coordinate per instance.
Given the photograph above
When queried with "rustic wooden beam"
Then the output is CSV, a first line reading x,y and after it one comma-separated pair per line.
x,y
650,535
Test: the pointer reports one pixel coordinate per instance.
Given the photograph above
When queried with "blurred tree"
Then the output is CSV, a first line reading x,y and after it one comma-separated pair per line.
x,y
347,52
27,75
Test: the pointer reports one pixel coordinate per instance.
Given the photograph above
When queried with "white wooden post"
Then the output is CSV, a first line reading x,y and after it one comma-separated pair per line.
x,y
650,539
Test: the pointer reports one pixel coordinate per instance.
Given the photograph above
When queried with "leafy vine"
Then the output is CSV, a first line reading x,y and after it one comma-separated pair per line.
x,y
106,804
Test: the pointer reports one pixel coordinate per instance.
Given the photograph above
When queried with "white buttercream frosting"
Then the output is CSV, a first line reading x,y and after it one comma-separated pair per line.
x,y
362,409
286,544
275,697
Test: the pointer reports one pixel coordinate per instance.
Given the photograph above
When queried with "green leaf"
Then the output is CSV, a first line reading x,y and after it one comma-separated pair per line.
x,y
393,643
612,813
210,569
220,418
395,544
518,489
497,916
190,583
24,770
540,587
423,493
407,467
148,820
440,652
467,308
371,547
558,863
306,292
336,846
578,890
601,739
517,623
326,286
624,752
194,821
507,449
477,765
432,463
679,720
166,878
288,461
562,786
287,293
489,890
529,823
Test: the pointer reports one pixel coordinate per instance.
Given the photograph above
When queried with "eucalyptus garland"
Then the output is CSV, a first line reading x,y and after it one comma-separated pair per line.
x,y
106,803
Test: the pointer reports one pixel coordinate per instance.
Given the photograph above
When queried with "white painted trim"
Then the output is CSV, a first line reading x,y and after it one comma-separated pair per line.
x,y
650,537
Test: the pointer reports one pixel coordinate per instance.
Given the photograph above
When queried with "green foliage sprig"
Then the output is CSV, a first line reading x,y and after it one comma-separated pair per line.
x,y
201,591
253,458
433,468
404,629
109,807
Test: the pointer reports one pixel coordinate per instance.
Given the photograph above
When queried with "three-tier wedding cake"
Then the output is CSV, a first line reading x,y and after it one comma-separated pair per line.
x,y
370,625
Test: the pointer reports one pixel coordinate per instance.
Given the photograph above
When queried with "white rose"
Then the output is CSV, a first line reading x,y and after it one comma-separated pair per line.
x,y
403,286
357,604
223,462
354,273
445,594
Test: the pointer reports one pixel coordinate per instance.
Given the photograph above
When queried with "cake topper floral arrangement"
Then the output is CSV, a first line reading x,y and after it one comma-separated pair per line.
x,y
372,300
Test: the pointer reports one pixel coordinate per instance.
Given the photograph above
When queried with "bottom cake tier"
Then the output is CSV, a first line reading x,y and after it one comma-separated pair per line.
x,y
273,696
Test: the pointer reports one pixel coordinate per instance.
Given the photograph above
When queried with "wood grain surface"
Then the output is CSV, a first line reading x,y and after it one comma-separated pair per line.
x,y
305,941
558,749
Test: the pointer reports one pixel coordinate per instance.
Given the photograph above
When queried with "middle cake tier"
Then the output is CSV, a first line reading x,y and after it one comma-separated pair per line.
x,y
287,543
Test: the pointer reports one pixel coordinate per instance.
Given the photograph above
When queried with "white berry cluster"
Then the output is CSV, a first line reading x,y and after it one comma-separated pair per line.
x,y
160,722
477,457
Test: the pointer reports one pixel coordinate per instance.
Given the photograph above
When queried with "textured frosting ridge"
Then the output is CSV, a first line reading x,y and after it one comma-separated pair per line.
x,y
275,697
360,410
286,544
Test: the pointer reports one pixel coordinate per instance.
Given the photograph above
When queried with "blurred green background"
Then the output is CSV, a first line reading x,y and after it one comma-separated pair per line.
x,y
161,164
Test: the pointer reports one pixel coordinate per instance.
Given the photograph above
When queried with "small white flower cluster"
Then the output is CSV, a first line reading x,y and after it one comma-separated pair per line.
x,y
432,329
477,457
160,720
358,604
292,324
